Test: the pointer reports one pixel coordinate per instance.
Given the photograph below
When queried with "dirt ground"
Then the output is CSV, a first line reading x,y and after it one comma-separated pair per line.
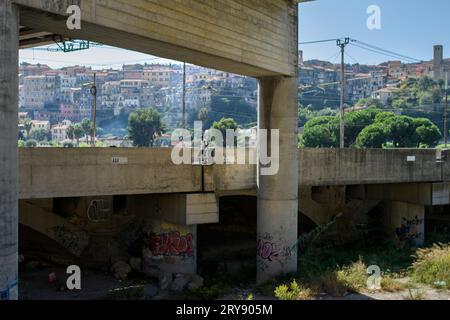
x,y
34,285
420,292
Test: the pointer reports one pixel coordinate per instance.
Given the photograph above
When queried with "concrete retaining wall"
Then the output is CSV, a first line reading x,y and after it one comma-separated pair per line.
x,y
47,173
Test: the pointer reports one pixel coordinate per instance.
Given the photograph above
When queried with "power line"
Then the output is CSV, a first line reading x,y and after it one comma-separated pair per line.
x,y
91,64
385,50
317,41
382,53
369,47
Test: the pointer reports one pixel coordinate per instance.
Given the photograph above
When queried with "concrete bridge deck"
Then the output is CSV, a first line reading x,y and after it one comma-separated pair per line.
x,y
56,173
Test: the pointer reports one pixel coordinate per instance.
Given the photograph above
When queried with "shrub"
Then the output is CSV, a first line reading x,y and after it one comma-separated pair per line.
x,y
293,292
432,266
354,276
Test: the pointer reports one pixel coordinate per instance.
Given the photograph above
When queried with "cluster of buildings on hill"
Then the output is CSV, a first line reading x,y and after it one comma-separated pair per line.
x,y
320,80
54,98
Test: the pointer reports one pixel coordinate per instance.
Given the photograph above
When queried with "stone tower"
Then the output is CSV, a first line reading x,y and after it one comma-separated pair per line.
x,y
438,62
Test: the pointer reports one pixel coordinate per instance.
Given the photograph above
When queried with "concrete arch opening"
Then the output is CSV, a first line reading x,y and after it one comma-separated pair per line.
x,y
228,248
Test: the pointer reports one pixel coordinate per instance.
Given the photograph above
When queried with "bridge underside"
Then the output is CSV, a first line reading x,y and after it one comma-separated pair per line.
x,y
149,190
253,38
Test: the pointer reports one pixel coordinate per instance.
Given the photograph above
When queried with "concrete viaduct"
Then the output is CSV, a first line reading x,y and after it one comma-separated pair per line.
x,y
253,38
59,190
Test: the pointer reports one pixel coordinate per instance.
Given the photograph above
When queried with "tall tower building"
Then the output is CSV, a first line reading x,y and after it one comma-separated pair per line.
x,y
300,57
438,62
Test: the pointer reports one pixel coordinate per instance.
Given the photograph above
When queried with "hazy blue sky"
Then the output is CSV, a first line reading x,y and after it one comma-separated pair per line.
x,y
409,27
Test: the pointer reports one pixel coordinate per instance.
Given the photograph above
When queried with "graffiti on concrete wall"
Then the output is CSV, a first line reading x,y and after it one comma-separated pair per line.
x,y
74,241
410,230
269,250
172,243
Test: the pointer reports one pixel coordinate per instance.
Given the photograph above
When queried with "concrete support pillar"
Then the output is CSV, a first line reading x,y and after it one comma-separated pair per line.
x,y
278,194
404,222
9,40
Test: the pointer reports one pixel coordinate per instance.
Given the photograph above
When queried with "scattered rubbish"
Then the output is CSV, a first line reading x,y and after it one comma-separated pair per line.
x,y
441,284
52,278
136,264
120,270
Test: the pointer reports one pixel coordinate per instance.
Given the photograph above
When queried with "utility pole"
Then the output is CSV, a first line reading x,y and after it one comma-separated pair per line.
x,y
446,110
342,44
94,111
183,121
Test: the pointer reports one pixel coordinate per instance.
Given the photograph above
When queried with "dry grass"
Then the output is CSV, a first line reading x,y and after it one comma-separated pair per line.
x,y
432,266
390,284
354,276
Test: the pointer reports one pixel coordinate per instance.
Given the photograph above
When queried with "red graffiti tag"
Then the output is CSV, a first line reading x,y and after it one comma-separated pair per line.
x,y
172,244
266,250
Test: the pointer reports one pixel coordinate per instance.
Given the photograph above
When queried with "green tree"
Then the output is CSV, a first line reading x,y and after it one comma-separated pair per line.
x,y
226,124
28,125
31,143
319,136
402,131
143,126
426,99
39,135
373,136
383,116
70,132
78,132
399,104
203,114
355,122
427,132
88,129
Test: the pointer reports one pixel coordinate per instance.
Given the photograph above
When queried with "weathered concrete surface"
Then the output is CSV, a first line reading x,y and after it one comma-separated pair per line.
x,y
48,173
242,36
70,236
182,209
51,173
404,222
369,166
9,83
277,194
427,194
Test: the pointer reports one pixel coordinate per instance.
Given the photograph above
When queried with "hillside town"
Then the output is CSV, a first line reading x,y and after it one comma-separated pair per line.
x,y
51,100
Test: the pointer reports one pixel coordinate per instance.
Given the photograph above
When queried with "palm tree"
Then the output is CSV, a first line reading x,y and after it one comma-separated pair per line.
x,y
203,114
28,125
78,133
70,132
88,128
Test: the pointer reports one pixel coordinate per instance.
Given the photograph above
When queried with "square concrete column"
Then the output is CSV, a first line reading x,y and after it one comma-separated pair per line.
x,y
278,194
9,84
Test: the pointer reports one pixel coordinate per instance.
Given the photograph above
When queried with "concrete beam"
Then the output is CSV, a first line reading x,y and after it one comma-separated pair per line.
x,y
322,167
427,194
59,173
181,209
241,36
9,163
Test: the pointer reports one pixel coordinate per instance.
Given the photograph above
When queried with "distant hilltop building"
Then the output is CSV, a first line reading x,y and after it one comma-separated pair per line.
x,y
438,62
